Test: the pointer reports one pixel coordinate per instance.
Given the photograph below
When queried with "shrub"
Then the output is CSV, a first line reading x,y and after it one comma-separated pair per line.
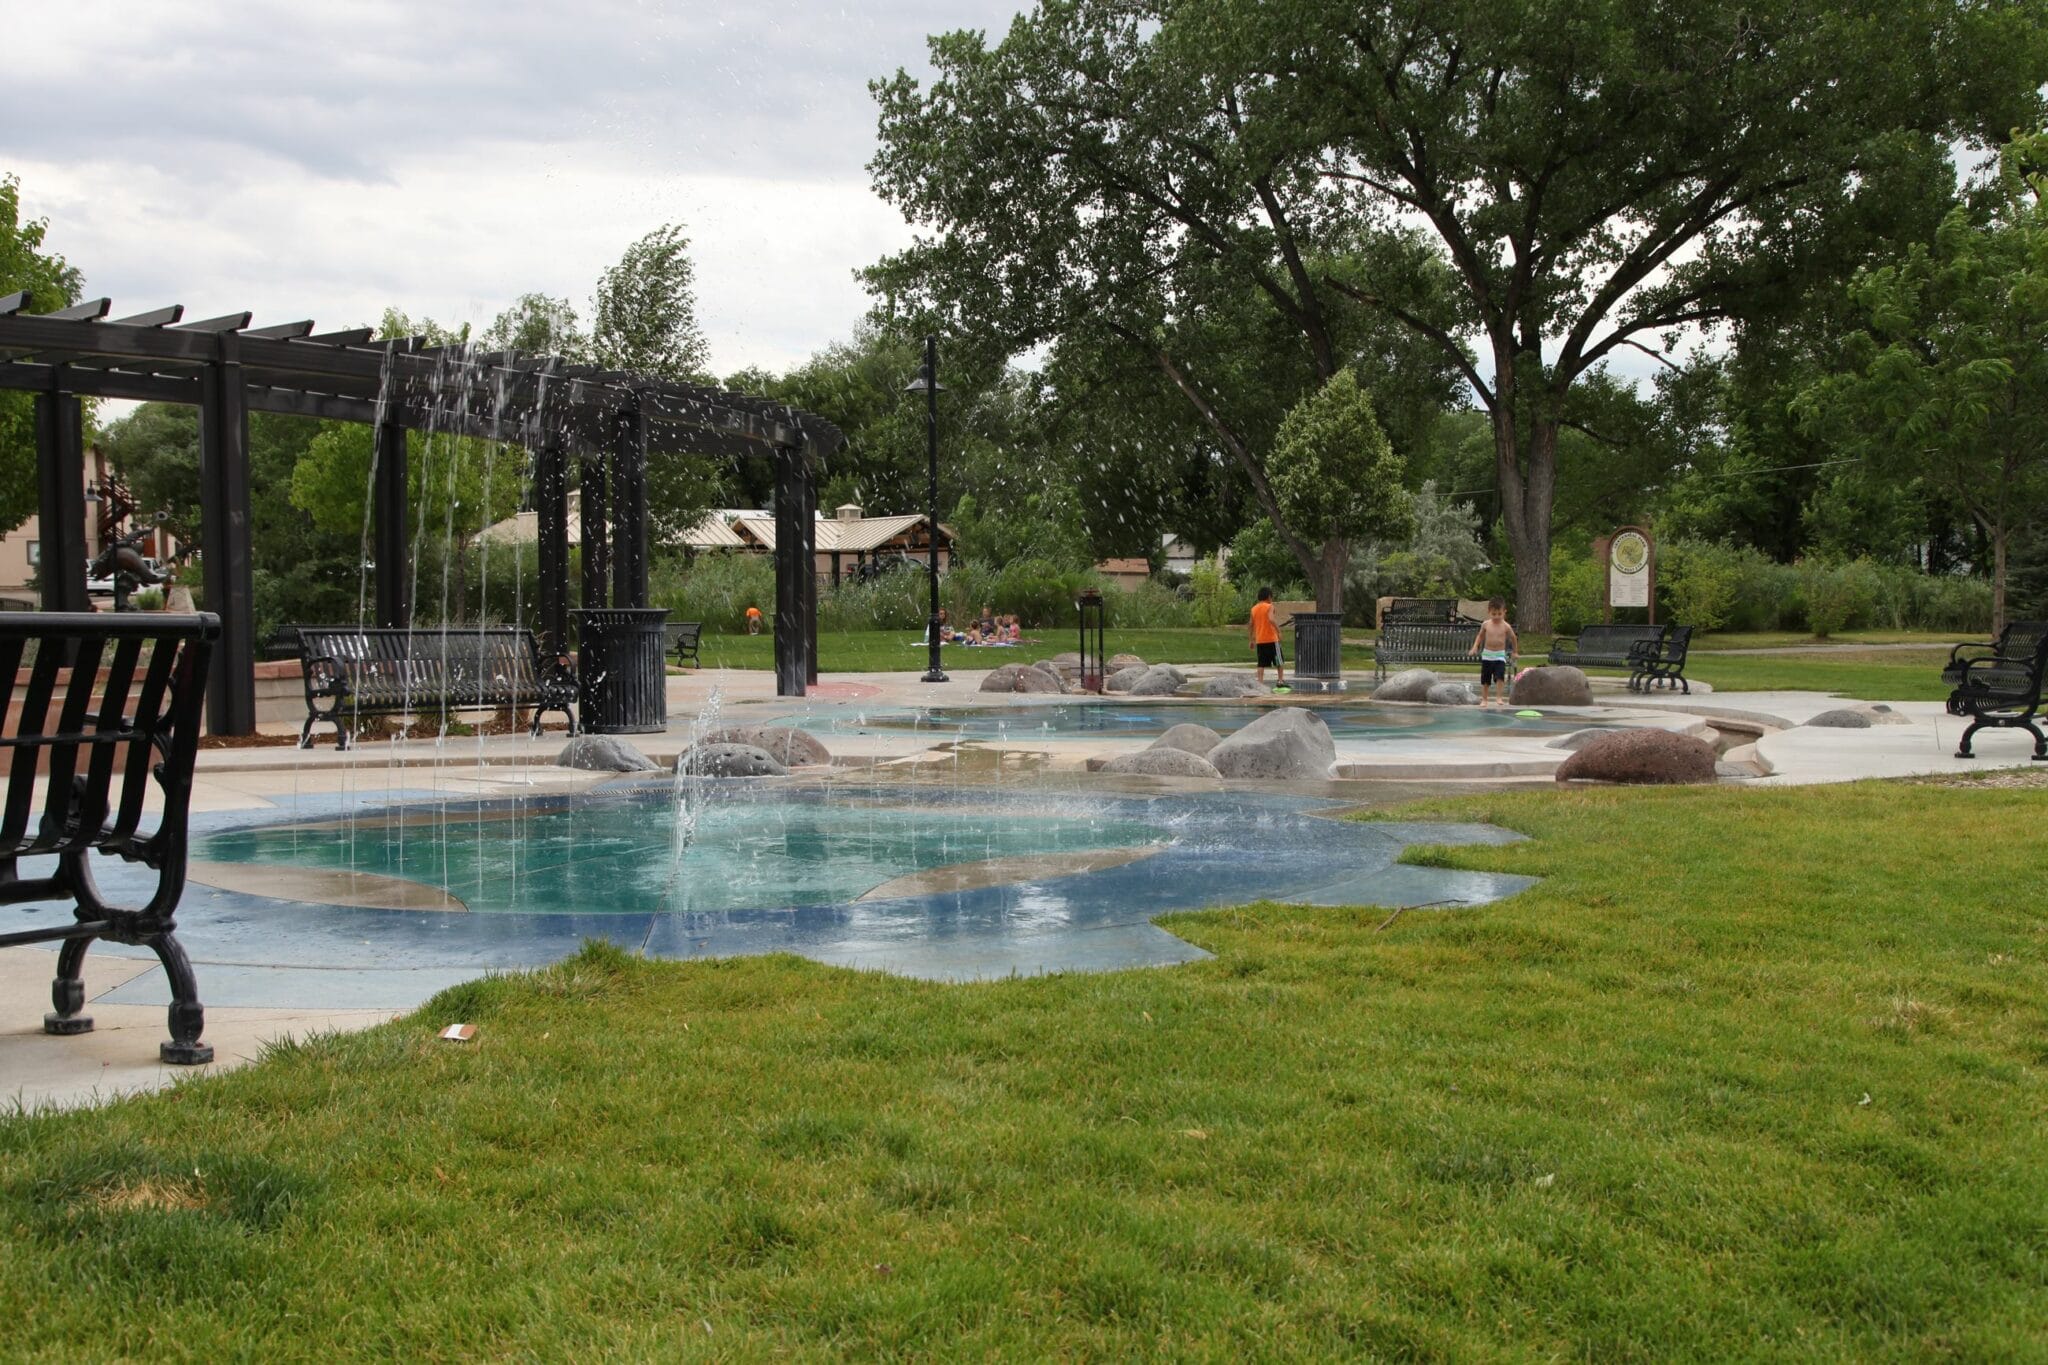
x,y
1697,581
1217,603
1837,596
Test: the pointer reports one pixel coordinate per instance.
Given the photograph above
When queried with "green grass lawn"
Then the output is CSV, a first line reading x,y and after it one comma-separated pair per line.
x,y
1750,1074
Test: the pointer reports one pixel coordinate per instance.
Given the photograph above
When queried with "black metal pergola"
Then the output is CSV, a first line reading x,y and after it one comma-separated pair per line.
x,y
610,423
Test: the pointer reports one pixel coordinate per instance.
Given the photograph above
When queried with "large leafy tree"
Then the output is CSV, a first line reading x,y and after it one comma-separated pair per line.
x,y
1949,377
1104,183
1336,476
1599,175
52,284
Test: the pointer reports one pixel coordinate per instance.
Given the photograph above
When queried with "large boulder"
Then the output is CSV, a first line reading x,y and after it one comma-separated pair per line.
x,y
1118,662
1070,659
603,754
1452,694
1232,685
1192,739
784,743
1410,684
1156,762
1290,743
1021,678
1157,681
1123,678
1641,756
1039,680
1577,739
1053,671
1552,685
728,760
1843,718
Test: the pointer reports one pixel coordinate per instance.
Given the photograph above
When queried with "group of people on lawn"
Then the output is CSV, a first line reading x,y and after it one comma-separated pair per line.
x,y
990,629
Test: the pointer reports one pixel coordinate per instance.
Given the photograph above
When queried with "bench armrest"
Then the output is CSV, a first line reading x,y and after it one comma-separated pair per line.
x,y
335,678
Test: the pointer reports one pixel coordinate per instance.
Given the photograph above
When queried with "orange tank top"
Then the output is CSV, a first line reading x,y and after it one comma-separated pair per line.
x,y
1264,632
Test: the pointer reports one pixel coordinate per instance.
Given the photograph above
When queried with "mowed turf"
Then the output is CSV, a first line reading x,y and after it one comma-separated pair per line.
x,y
1751,1074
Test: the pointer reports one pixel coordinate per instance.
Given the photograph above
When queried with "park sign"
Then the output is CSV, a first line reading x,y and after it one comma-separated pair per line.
x,y
1631,571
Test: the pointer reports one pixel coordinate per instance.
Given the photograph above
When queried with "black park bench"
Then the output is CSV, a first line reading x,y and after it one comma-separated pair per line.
x,y
1401,643
354,671
112,706
2001,689
2009,652
682,641
1653,655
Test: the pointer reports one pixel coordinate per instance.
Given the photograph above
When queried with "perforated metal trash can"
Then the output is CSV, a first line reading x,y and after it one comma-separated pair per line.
x,y
1319,651
619,670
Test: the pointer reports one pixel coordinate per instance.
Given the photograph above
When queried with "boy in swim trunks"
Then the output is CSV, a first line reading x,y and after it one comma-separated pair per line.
x,y
1496,646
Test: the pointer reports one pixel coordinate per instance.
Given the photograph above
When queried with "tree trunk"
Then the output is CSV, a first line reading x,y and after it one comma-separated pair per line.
x,y
1525,469
1998,539
1329,583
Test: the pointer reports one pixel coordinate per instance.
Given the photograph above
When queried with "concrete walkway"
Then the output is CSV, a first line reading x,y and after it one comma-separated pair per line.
x,y
253,997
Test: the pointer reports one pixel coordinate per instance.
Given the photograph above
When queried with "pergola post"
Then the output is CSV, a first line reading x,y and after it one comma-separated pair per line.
x,y
629,521
551,508
792,635
810,524
596,542
388,548
60,489
224,540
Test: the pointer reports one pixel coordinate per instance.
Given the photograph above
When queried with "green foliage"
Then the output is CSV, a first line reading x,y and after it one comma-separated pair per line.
x,y
1336,478
1837,596
1217,601
1258,557
536,325
1042,524
1947,380
717,588
644,313
52,283
1698,582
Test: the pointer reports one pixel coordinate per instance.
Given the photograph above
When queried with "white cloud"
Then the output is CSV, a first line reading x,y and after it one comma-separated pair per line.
x,y
330,161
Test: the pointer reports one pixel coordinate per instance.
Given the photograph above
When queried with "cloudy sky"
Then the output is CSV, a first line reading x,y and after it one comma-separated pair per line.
x,y
329,159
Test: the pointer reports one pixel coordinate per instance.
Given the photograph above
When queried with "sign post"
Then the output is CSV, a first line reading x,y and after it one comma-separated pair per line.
x,y
1631,577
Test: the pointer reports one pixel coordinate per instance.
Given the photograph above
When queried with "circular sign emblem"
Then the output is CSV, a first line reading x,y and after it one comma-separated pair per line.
x,y
1629,553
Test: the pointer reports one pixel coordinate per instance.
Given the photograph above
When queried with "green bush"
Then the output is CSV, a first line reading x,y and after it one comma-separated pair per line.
x,y
1575,593
1697,583
1217,602
716,589
1837,596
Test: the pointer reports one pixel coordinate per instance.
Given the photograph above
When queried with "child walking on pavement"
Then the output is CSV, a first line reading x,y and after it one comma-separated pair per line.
x,y
1266,641
1496,646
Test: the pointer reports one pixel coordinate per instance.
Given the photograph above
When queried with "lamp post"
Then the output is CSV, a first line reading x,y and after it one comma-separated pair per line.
x,y
927,383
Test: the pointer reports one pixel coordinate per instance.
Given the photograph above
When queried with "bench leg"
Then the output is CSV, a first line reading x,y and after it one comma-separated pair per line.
x,y
67,992
306,731
1963,746
186,1016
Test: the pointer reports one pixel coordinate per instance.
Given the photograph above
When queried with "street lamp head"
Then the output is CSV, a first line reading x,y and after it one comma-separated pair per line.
x,y
922,384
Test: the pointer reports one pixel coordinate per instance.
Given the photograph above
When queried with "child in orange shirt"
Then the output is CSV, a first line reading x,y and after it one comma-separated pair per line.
x,y
753,620
1266,640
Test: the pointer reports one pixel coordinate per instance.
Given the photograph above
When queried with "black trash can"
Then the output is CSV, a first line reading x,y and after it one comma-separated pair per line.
x,y
1319,651
619,671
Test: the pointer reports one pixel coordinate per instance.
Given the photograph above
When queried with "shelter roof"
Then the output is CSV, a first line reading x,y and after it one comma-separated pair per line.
x,y
344,375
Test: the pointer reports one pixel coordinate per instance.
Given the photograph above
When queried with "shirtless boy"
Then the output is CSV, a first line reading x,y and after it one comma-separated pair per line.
x,y
1496,646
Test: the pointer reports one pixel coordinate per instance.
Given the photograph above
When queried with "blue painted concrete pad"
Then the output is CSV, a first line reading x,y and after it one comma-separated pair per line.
x,y
1201,850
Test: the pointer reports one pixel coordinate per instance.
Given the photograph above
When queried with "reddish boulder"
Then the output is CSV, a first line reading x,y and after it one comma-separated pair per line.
x,y
1641,756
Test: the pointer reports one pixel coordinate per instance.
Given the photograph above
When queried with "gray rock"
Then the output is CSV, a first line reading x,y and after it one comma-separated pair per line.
x,y
1157,762
1003,679
1052,670
1070,659
1290,743
1119,662
1654,757
1178,673
1037,680
729,760
1232,685
1841,718
1158,681
1192,739
603,754
784,743
1410,684
1451,694
1552,685
1121,680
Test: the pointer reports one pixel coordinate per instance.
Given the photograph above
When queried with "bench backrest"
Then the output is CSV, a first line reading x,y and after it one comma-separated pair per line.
x,y
110,696
2020,639
1671,649
1403,637
1615,639
457,667
683,632
2012,674
1420,611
